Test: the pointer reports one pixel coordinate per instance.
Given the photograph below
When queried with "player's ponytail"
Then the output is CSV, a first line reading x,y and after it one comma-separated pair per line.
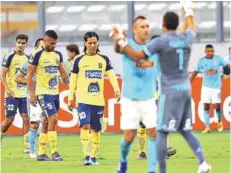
x,y
89,35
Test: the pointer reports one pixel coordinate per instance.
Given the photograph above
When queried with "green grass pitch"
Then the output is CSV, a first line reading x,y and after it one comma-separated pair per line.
x,y
216,148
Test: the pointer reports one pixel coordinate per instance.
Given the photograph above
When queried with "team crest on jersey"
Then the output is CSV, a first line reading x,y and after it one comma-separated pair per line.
x,y
94,89
100,65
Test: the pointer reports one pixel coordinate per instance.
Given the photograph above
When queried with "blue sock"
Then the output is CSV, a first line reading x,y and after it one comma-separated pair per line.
x,y
206,117
32,139
161,145
194,144
152,155
124,150
219,115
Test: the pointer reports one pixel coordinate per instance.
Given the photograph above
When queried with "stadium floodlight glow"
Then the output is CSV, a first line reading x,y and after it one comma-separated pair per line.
x,y
212,5
227,24
67,28
200,5
75,9
51,27
156,7
95,8
139,7
206,24
87,27
174,6
119,7
106,27
55,9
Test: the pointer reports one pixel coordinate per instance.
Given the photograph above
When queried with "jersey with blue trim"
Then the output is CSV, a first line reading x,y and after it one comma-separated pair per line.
x,y
47,71
91,70
174,49
205,64
13,62
138,83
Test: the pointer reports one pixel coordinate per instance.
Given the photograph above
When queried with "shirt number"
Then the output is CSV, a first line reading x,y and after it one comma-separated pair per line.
x,y
180,52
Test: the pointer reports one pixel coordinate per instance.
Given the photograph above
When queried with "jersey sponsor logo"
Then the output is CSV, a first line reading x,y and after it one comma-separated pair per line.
x,y
94,89
93,74
100,65
53,83
51,69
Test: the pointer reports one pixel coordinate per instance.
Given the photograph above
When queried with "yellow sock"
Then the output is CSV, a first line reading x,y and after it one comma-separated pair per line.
x,y
141,134
84,136
26,140
95,142
43,141
52,136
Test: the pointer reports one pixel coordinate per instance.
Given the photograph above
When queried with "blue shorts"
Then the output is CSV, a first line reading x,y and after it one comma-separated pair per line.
x,y
90,114
12,103
49,104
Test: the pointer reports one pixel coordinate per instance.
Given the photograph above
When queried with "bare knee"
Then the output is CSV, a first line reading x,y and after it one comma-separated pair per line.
x,y
86,127
129,135
53,120
151,132
34,125
10,120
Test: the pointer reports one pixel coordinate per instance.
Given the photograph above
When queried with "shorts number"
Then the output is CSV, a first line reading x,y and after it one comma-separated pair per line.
x,y
49,105
10,107
181,58
82,115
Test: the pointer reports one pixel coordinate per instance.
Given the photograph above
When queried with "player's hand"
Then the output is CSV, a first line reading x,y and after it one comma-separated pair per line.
x,y
9,92
117,95
117,35
70,105
188,5
33,99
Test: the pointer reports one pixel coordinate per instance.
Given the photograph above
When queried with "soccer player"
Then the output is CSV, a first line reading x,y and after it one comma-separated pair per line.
x,y
87,80
174,113
72,51
15,94
212,81
34,112
47,63
138,107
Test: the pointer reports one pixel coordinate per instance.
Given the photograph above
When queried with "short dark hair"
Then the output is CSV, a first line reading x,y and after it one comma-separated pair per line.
x,y
73,48
155,36
171,20
137,18
51,34
89,35
22,36
36,44
208,46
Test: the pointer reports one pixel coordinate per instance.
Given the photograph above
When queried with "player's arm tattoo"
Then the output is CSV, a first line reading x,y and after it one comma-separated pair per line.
x,y
64,73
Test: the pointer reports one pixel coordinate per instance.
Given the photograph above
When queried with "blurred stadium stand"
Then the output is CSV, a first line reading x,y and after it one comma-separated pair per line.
x,y
72,19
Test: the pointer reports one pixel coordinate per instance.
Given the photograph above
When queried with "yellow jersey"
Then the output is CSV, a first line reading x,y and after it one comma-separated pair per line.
x,y
47,71
13,62
90,71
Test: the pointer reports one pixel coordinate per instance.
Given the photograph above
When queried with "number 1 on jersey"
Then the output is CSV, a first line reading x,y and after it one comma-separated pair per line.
x,y
181,58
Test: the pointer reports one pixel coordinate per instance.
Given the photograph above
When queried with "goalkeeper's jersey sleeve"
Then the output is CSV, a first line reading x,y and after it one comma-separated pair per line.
x,y
90,82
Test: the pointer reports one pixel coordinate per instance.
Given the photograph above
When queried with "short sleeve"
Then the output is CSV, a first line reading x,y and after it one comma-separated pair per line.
x,y
108,63
223,63
152,47
34,59
7,60
190,35
60,55
198,67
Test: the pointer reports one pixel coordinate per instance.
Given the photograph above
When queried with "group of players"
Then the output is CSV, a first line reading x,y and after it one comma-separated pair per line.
x,y
144,61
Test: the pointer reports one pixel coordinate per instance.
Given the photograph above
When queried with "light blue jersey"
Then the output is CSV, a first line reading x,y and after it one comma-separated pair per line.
x,y
206,64
138,83
24,68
